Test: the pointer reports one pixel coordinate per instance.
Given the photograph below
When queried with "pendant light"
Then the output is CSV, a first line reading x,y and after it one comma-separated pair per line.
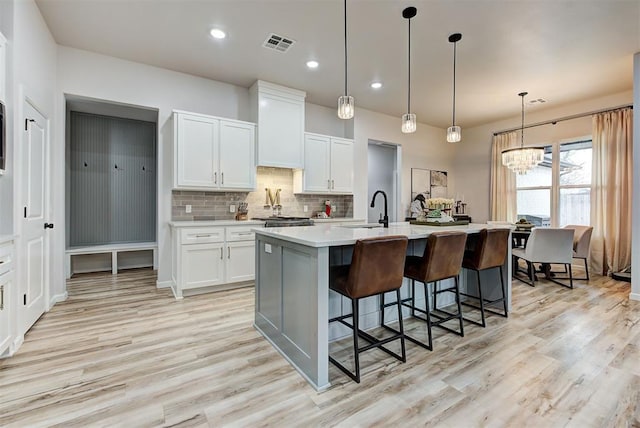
x,y
409,119
454,132
521,160
346,105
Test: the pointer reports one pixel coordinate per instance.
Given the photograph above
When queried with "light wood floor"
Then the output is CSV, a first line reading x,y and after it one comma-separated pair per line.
x,y
119,352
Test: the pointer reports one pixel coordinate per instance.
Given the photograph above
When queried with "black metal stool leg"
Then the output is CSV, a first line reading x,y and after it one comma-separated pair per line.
x,y
428,314
400,322
481,300
504,293
435,295
413,297
459,306
356,356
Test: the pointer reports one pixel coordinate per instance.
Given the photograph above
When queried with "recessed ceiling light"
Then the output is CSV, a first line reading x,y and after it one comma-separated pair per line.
x,y
218,34
376,85
312,64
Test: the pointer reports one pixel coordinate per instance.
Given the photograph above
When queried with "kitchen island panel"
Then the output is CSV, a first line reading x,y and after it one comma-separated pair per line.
x,y
292,304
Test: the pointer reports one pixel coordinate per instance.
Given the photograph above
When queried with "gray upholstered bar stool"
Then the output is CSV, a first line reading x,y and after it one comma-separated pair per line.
x,y
489,252
442,259
376,268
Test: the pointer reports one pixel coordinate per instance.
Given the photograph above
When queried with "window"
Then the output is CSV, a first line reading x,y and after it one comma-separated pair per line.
x,y
558,191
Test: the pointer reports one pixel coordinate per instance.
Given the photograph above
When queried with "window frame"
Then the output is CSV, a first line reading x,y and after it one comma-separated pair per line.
x,y
555,187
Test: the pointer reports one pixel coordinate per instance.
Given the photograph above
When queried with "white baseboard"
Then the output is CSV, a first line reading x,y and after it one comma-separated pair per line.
x,y
164,284
57,298
17,343
634,296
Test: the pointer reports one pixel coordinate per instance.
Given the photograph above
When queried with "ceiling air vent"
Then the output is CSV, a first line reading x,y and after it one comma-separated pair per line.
x,y
538,101
278,43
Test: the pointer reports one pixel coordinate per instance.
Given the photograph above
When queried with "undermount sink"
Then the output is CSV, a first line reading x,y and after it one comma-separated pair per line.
x,y
362,226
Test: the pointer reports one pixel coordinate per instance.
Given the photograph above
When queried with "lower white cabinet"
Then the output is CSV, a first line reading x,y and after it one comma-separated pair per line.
x,y
202,265
241,264
211,256
6,285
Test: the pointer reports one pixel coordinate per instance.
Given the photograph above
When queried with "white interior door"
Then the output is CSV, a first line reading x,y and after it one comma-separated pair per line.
x,y
34,196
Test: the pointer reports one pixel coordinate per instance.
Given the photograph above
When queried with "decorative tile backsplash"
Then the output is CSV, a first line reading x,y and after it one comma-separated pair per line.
x,y
215,205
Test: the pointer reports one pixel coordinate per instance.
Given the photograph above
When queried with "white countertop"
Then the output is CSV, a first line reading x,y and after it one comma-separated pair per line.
x,y
328,235
338,220
6,238
212,223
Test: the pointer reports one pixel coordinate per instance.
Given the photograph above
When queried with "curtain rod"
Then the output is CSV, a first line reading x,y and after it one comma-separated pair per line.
x,y
554,121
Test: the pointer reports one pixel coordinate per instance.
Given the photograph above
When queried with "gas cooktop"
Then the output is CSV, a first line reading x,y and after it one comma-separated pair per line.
x,y
285,221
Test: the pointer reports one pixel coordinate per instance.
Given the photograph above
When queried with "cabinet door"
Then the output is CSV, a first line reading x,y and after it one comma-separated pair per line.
x,y
241,265
237,156
280,131
341,165
202,265
316,163
196,151
5,299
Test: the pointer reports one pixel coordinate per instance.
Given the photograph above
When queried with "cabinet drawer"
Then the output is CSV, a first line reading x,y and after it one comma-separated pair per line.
x,y
201,235
240,233
5,258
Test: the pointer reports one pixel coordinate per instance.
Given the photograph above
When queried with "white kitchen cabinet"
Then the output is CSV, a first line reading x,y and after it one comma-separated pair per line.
x,y
202,265
213,153
328,166
216,257
240,262
279,113
6,296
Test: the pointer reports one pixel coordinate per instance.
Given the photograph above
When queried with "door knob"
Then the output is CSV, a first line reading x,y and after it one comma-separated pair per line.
x,y
48,225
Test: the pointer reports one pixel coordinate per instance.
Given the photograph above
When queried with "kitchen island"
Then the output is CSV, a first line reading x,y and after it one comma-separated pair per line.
x,y
293,301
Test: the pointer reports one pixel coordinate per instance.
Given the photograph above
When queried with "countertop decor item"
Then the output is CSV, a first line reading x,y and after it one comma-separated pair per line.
x,y
409,119
522,159
346,104
454,133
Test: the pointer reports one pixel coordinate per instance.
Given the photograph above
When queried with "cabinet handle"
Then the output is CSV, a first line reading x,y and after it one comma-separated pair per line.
x,y
328,184
245,233
215,178
221,253
222,174
1,297
204,236
332,185
228,252
1,262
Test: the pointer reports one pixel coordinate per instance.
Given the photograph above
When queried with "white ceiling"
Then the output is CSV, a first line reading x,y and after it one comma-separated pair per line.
x,y
562,51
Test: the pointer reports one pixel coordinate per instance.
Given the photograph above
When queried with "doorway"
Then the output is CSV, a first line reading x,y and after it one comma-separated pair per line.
x,y
384,164
33,244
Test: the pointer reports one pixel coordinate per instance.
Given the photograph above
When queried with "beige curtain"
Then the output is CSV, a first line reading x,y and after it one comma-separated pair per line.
x,y
611,194
503,180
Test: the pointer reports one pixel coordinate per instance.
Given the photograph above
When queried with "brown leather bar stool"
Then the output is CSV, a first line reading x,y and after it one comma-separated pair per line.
x,y
376,268
489,252
442,259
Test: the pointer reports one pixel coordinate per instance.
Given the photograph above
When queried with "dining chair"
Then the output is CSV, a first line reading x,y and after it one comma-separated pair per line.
x,y
546,245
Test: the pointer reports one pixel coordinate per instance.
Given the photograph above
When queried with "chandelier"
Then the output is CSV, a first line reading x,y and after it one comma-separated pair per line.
x,y
522,159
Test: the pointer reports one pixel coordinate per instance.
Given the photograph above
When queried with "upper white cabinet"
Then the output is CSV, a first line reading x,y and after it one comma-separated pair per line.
x,y
212,153
279,113
328,166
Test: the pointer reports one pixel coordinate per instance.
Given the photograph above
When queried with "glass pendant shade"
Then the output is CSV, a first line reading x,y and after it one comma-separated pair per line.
x,y
346,107
454,134
408,123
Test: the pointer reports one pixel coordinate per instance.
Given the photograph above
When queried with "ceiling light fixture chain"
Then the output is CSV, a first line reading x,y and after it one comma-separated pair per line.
x,y
522,160
346,106
409,119
454,133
